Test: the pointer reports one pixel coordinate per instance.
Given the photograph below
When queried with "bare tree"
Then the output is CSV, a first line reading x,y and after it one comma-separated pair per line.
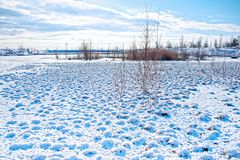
x,y
183,51
206,45
181,46
133,51
146,70
169,45
145,31
199,46
158,38
85,50
79,54
57,56
90,50
123,52
114,53
215,43
109,50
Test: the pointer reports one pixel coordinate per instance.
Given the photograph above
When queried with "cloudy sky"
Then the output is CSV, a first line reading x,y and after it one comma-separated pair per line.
x,y
51,24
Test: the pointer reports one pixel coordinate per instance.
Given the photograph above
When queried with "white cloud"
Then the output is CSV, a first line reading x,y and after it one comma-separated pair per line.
x,y
171,27
179,24
55,40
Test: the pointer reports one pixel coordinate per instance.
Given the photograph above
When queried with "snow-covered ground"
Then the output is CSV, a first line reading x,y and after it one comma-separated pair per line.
x,y
8,62
52,109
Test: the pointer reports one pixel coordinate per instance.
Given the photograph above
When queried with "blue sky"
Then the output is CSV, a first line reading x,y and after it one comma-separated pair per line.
x,y
107,23
227,11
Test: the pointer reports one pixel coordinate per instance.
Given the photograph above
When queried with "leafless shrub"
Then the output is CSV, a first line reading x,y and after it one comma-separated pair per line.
x,y
95,56
146,75
153,55
224,72
184,55
120,78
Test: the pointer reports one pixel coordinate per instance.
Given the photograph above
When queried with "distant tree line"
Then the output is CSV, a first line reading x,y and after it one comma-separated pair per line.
x,y
199,43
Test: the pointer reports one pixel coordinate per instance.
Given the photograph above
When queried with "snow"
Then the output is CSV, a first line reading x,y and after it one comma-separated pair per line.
x,y
9,62
57,109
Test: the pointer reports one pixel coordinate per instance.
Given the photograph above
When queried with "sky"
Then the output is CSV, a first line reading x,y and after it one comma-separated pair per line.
x,y
51,24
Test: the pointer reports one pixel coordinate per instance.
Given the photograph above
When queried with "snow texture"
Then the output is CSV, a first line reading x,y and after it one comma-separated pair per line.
x,y
73,110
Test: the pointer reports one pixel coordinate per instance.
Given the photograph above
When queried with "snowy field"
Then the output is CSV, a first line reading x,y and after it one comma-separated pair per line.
x,y
72,110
